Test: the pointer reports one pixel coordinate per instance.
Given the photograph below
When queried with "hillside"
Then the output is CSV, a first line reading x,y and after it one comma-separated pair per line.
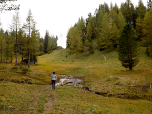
x,y
127,91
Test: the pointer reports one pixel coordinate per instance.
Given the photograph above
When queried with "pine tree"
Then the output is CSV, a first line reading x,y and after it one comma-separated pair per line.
x,y
128,47
46,42
41,48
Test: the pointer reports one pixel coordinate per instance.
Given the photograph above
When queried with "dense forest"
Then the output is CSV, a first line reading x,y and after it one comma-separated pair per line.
x,y
25,41
103,29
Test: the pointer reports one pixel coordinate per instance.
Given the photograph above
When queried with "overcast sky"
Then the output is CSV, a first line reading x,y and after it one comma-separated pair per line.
x,y
56,16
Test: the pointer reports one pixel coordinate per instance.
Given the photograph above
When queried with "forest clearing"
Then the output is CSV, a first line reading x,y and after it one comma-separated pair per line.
x,y
31,92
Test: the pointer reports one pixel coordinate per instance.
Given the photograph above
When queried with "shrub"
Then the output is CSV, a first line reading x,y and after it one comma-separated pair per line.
x,y
25,70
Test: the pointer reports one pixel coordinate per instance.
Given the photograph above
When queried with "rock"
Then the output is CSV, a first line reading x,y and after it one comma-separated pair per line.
x,y
66,80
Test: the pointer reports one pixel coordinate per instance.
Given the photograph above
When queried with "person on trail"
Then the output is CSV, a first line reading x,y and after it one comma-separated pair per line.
x,y
53,78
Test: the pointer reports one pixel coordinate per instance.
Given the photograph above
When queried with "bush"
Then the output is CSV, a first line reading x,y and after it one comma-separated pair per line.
x,y
25,70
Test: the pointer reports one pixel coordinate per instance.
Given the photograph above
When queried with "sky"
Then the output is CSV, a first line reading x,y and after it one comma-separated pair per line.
x,y
56,16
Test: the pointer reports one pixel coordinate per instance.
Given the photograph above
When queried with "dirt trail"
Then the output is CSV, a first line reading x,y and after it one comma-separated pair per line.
x,y
49,104
33,103
104,57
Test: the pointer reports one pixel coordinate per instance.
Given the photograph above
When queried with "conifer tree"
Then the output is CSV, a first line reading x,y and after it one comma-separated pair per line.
x,y
28,26
121,22
3,44
139,28
99,22
89,31
41,48
128,47
34,44
70,37
76,44
141,10
15,27
81,26
114,37
9,47
11,42
46,42
128,11
148,31
104,36
22,41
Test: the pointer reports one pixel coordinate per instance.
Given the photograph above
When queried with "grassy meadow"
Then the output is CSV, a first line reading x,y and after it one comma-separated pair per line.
x,y
28,93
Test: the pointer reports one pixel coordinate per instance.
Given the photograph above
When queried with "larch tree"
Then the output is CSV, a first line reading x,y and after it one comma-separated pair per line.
x,y
128,11
22,42
114,37
11,41
28,26
8,46
99,25
3,44
121,21
70,37
81,28
15,27
88,38
141,10
89,31
34,44
104,35
147,24
128,47
139,28
76,44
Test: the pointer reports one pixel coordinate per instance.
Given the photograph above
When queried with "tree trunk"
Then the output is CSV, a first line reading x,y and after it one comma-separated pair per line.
x,y
6,60
16,46
29,48
11,59
1,51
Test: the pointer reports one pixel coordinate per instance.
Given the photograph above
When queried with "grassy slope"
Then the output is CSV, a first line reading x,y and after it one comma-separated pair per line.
x,y
25,98
96,71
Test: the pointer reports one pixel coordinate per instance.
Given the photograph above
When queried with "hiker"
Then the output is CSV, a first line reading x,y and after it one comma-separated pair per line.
x,y
53,78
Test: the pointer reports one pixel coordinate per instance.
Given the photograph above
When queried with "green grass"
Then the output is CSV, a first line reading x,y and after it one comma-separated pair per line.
x,y
72,99
17,96
22,98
